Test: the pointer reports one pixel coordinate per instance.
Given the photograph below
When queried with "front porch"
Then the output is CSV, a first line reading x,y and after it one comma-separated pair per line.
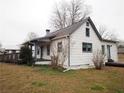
x,y
40,51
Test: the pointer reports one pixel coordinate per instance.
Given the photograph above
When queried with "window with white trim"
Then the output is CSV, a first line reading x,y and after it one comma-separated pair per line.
x,y
87,32
86,47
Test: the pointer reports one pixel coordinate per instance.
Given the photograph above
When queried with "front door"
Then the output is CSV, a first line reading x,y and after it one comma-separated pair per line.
x,y
109,51
41,55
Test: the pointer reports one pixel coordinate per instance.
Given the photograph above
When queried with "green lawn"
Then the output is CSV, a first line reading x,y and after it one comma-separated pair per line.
x,y
24,79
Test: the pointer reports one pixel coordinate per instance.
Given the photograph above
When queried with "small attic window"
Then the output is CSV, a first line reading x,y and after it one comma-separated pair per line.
x,y
87,32
87,24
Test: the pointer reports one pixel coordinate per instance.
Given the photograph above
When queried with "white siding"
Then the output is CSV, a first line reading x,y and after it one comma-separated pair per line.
x,y
44,53
54,49
45,56
38,49
113,50
77,56
33,51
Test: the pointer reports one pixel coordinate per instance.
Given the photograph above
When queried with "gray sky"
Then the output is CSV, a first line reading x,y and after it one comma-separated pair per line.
x,y
19,17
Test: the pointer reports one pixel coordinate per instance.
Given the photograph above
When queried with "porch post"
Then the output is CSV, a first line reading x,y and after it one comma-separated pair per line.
x,y
41,51
35,51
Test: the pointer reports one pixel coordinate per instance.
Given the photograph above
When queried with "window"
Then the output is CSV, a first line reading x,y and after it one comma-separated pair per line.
x,y
87,23
48,50
87,47
109,51
59,47
103,49
87,32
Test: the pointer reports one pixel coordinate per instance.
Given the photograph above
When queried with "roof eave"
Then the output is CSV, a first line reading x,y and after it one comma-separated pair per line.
x,y
110,41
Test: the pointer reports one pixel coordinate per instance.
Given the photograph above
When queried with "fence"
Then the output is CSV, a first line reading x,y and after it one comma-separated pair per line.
x,y
9,58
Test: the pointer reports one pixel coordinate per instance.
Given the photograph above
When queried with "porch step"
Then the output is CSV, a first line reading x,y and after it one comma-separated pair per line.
x,y
42,62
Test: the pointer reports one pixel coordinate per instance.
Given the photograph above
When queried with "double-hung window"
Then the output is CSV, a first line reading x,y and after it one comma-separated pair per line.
x,y
86,47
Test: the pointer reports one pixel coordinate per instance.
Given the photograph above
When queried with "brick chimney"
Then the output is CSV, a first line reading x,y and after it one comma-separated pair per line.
x,y
47,31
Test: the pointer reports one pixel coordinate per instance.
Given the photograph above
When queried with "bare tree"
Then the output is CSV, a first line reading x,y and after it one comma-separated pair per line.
x,y
69,13
105,34
31,35
60,17
78,10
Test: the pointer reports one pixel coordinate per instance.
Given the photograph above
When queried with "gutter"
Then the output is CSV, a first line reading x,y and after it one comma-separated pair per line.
x,y
35,51
56,38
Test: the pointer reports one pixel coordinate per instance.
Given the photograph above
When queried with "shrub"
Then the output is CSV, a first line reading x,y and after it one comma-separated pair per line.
x,y
98,59
26,55
54,61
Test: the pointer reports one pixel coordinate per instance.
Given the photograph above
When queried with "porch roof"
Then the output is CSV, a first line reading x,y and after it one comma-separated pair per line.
x,y
37,40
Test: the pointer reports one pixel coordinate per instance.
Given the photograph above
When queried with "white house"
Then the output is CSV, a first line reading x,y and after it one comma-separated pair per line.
x,y
76,44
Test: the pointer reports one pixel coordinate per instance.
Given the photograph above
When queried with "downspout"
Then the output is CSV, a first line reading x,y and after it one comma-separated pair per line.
x,y
35,51
68,37
68,51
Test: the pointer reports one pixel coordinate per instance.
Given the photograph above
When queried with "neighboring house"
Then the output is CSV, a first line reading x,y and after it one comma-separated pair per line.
x,y
76,44
121,51
2,50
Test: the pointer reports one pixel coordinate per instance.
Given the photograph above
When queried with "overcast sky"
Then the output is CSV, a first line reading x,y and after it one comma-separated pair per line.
x,y
19,17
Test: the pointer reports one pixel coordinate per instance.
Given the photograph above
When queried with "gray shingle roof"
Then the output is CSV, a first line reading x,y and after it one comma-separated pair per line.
x,y
69,30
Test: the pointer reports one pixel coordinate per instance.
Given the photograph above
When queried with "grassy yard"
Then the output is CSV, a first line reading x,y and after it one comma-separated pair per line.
x,y
24,79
